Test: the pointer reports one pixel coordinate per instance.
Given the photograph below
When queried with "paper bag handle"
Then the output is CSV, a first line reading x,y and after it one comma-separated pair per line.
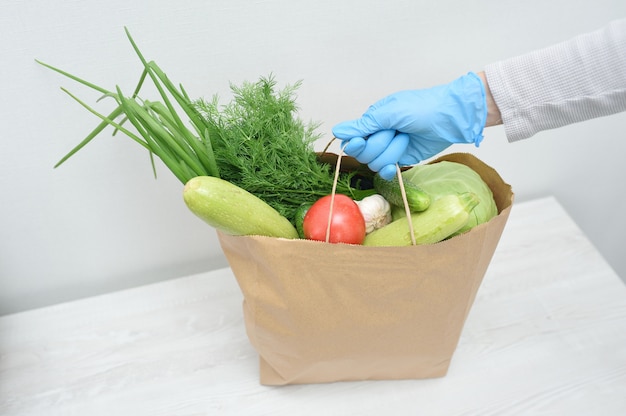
x,y
407,211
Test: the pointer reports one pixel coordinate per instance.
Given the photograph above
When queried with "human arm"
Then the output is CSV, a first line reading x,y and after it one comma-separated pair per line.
x,y
494,117
572,81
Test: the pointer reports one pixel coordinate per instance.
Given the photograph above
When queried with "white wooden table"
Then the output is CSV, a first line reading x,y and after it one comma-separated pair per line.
x,y
546,336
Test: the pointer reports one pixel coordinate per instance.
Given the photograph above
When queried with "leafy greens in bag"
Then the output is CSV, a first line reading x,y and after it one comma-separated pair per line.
x,y
445,177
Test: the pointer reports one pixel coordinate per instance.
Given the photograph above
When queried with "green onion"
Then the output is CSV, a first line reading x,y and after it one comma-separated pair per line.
x,y
159,127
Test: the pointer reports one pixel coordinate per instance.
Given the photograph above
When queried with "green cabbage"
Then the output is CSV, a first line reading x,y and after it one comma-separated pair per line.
x,y
445,177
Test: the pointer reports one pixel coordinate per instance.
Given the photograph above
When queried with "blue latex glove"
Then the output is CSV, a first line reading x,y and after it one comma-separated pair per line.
x,y
410,126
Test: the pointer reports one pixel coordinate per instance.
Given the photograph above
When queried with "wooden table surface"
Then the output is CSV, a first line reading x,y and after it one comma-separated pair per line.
x,y
546,336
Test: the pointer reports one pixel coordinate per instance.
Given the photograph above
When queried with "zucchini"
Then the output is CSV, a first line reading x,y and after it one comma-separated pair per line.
x,y
416,197
233,210
445,216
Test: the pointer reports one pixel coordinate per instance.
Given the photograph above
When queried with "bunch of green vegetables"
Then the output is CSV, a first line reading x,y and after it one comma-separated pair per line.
x,y
249,168
256,142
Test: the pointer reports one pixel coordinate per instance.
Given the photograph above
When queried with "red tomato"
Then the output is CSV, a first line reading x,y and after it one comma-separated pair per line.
x,y
347,224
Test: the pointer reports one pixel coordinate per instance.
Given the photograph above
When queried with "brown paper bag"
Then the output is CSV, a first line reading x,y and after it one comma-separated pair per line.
x,y
319,312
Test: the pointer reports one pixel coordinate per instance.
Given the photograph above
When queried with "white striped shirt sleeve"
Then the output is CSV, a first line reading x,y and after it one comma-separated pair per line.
x,y
573,81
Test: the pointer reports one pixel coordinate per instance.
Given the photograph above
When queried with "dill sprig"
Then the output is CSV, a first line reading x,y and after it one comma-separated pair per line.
x,y
261,145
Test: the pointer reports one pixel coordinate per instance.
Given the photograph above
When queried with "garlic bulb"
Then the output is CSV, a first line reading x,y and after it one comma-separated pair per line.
x,y
376,212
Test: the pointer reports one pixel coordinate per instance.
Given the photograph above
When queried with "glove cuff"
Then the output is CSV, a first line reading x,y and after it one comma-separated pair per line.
x,y
469,92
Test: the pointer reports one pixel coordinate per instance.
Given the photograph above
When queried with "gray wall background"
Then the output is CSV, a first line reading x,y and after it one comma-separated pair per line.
x,y
102,222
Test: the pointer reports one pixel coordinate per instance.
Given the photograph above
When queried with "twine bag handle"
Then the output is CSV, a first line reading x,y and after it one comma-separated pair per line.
x,y
407,211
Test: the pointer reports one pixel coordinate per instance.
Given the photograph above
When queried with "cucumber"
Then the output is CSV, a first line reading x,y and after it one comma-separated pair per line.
x,y
418,199
445,216
233,210
299,217
397,212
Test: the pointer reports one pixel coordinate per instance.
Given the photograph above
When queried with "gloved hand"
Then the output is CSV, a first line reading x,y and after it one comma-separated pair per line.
x,y
410,126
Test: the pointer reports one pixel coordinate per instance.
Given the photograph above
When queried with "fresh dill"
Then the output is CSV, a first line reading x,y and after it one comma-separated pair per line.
x,y
261,145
